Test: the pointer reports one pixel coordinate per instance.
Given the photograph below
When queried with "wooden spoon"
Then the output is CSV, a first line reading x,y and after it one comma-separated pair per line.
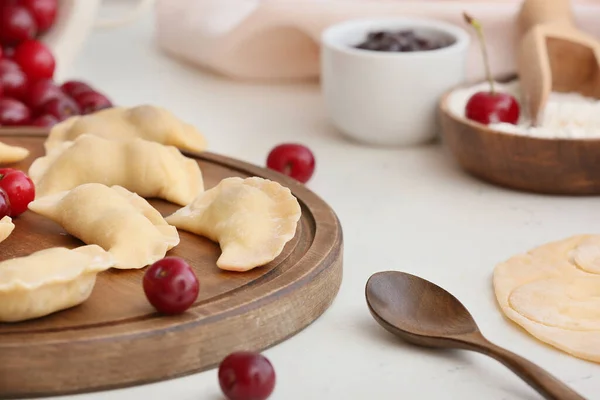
x,y
425,314
554,55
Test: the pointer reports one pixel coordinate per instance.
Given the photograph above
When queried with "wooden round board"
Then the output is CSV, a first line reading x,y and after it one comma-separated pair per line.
x,y
116,339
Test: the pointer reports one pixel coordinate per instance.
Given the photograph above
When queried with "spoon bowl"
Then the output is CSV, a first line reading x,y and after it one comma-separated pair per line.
x,y
426,310
423,313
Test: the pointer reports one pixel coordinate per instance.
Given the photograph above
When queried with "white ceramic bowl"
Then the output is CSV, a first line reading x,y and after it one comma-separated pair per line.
x,y
389,98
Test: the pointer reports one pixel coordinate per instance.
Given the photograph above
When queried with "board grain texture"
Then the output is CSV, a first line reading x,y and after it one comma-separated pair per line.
x,y
116,339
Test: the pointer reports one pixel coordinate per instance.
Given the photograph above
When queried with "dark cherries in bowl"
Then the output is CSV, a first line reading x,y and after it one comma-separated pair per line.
x,y
401,41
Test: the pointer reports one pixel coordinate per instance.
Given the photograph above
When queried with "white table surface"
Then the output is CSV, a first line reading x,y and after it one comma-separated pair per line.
x,y
405,209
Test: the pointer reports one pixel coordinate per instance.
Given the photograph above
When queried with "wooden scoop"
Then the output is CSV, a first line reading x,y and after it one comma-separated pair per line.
x,y
554,55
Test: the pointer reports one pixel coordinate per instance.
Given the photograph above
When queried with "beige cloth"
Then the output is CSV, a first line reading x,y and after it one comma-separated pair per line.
x,y
279,39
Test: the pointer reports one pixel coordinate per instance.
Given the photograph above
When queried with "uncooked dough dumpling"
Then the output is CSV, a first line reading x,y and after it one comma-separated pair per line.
x,y
252,219
48,281
147,168
12,154
119,221
147,122
553,292
6,227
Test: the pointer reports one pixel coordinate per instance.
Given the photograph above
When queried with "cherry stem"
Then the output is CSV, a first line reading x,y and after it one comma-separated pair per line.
x,y
287,169
486,61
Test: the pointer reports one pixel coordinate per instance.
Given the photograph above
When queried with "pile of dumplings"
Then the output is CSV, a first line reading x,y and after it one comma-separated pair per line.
x,y
94,179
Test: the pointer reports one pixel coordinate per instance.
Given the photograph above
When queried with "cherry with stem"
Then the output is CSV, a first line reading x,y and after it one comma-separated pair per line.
x,y
489,107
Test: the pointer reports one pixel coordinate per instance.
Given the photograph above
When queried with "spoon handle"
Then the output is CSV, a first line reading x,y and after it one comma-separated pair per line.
x,y
542,381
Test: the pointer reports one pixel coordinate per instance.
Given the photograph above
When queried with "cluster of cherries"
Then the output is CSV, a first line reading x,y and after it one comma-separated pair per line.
x,y
28,94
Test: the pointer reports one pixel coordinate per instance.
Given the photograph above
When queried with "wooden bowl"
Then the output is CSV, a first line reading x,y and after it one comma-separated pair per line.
x,y
545,166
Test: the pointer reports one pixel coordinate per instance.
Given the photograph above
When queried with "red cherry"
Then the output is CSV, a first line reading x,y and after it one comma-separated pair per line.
x,y
41,92
16,24
75,88
19,189
9,2
61,107
13,112
4,205
171,285
294,160
13,80
45,121
90,102
490,108
9,52
8,65
246,375
1,52
35,59
43,11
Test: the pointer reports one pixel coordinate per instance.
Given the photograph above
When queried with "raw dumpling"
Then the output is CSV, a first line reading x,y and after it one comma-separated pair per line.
x,y
119,221
12,154
146,168
252,219
48,281
6,227
146,122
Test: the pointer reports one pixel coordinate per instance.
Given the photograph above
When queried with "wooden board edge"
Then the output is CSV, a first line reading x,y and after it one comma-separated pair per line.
x,y
321,290
320,277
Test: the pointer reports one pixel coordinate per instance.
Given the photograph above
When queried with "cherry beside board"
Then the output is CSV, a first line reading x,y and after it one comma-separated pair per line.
x,y
116,339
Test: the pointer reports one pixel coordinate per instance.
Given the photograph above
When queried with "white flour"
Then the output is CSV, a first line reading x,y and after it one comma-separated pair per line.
x,y
567,116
